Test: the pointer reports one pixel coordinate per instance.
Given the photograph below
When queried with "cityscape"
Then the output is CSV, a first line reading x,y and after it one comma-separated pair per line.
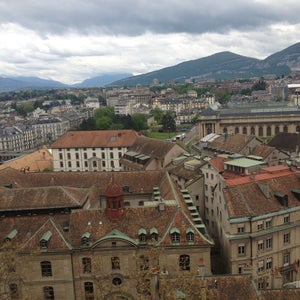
x,y
184,192
149,150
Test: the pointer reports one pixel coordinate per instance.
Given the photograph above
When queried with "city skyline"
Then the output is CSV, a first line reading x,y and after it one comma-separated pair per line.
x,y
76,40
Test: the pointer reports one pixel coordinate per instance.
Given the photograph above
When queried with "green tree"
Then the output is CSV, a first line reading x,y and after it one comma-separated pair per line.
x,y
168,122
104,123
139,122
157,114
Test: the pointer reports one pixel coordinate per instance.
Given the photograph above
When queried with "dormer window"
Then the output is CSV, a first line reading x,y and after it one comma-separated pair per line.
x,y
85,239
175,235
142,235
154,234
190,235
44,241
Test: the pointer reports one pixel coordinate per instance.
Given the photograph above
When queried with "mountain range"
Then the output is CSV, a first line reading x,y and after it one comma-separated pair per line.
x,y
222,65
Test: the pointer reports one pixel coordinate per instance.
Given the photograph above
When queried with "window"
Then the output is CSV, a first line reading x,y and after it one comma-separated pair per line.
x,y
190,236
13,291
94,154
142,235
286,219
89,291
46,268
94,164
48,292
260,245
77,164
241,228
69,164
269,243
154,234
269,263
268,223
61,164
206,175
211,176
103,155
241,249
286,238
175,235
76,155
144,263
111,155
85,155
87,264
286,259
117,281
184,262
260,266
60,156
260,225
115,263
68,155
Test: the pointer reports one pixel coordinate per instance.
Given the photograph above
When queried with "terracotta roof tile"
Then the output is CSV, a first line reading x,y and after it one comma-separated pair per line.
x,y
96,139
240,200
36,161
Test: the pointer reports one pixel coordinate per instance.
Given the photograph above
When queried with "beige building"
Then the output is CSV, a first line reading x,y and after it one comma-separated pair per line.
x,y
109,235
254,218
83,151
250,119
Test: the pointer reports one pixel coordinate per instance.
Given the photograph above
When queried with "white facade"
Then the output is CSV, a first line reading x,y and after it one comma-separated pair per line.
x,y
87,159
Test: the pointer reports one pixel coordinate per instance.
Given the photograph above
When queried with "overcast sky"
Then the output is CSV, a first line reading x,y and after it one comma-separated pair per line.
x,y
72,40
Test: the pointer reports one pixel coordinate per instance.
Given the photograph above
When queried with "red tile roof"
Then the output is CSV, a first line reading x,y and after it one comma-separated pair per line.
x,y
253,196
96,139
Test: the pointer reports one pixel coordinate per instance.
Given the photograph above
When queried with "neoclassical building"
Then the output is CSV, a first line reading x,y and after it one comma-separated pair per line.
x,y
250,119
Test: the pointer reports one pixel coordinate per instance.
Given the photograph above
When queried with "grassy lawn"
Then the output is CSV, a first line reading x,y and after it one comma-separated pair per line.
x,y
161,135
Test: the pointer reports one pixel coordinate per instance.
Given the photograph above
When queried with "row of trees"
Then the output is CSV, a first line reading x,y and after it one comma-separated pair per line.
x,y
105,118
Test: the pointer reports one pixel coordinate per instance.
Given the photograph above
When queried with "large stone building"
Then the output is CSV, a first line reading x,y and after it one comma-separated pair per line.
x,y
84,151
262,120
108,235
254,219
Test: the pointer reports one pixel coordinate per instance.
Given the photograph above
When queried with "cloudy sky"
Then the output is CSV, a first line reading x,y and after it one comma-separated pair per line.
x,y
72,40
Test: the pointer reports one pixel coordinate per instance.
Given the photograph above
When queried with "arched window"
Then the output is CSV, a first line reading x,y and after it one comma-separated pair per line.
x,y
236,130
115,263
252,131
244,130
285,129
298,129
48,292
154,234
276,129
87,264
225,130
142,235
184,262
89,291
260,131
46,268
190,235
175,235
269,131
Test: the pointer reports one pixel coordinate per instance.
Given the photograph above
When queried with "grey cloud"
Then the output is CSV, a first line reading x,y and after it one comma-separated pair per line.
x,y
134,17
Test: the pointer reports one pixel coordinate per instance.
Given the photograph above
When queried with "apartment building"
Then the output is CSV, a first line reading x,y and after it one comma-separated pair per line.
x,y
98,235
82,151
254,218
